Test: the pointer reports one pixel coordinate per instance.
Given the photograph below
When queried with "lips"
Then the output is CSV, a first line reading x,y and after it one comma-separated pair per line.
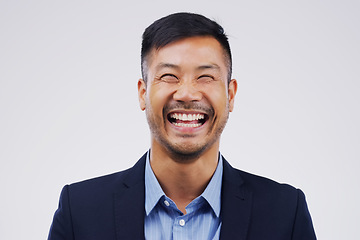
x,y
188,120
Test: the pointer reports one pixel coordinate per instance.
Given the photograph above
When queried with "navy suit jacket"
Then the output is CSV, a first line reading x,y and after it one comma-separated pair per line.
x,y
113,207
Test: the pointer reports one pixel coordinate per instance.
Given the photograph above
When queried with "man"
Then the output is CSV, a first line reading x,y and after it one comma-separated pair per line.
x,y
183,188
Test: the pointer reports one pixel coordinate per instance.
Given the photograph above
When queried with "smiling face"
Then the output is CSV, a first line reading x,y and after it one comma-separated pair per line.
x,y
187,97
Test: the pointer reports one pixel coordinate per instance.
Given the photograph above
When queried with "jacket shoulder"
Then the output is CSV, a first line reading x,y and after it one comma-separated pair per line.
x,y
264,184
114,180
257,184
89,203
276,208
266,193
101,181
101,189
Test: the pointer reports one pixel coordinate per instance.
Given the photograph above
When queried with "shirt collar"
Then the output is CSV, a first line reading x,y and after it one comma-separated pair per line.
x,y
153,190
212,192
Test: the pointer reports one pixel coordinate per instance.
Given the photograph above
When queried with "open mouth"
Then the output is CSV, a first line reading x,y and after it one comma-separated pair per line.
x,y
191,120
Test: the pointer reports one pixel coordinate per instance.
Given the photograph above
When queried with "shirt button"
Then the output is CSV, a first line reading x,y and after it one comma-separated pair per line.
x,y
166,203
182,222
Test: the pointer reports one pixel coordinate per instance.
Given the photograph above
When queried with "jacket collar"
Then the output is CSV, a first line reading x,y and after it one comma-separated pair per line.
x,y
129,204
235,205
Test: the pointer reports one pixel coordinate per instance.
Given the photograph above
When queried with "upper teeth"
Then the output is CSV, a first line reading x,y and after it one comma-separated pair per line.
x,y
187,117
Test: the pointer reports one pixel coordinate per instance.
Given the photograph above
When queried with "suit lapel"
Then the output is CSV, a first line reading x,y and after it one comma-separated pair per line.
x,y
129,204
236,204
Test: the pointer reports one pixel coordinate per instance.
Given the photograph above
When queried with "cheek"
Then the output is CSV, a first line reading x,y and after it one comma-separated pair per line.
x,y
157,98
217,96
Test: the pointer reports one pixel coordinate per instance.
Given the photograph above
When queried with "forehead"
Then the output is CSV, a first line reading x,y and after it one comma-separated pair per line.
x,y
193,51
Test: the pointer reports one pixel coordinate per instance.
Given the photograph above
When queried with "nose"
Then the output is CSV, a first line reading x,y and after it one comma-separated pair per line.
x,y
187,92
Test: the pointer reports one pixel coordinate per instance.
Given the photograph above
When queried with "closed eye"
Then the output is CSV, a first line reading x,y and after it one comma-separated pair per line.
x,y
206,78
170,78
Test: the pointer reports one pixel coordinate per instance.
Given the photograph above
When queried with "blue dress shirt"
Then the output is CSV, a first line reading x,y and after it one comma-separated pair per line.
x,y
164,221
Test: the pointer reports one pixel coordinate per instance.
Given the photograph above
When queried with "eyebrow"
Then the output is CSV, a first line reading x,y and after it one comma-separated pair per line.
x,y
166,65
209,66
174,66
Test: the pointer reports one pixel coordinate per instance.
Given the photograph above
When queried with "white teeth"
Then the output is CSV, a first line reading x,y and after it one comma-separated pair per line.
x,y
192,125
187,117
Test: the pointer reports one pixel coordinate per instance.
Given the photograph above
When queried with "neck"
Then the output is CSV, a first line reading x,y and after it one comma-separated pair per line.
x,y
183,180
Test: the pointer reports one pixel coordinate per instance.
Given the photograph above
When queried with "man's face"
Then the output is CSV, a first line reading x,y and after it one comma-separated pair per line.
x,y
187,97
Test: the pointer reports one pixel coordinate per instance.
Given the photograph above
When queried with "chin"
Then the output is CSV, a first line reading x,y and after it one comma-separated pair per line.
x,y
186,152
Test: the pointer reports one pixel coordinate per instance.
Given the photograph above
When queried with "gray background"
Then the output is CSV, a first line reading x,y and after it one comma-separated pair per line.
x,y
69,109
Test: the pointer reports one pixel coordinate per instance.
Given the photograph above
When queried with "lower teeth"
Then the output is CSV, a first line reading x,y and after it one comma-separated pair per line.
x,y
188,124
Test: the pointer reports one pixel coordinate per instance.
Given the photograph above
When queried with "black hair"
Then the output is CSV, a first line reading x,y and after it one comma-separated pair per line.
x,y
178,26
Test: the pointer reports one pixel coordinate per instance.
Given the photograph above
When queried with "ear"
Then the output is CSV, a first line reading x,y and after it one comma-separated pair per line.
x,y
142,93
232,92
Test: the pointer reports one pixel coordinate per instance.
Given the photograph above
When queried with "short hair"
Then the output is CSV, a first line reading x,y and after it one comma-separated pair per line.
x,y
178,26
